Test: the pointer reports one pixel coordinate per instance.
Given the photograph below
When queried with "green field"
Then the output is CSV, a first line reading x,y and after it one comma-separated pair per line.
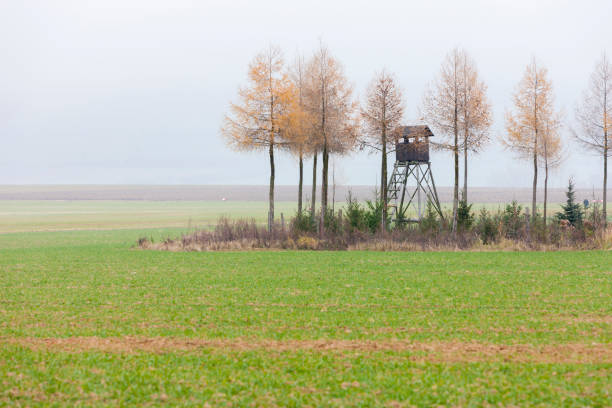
x,y
86,319
39,215
51,215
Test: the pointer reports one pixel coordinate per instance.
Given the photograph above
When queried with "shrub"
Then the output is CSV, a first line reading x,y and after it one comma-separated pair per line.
x,y
571,211
487,227
595,216
430,223
465,218
355,215
304,222
332,222
306,242
513,221
373,215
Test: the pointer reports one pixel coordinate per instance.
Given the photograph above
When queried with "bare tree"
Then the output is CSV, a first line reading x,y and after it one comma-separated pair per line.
x,y
382,115
475,114
594,114
533,105
441,109
256,122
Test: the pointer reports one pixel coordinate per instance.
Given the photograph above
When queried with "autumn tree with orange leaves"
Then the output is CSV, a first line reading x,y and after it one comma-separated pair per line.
x,y
260,119
525,126
300,129
382,115
331,104
551,153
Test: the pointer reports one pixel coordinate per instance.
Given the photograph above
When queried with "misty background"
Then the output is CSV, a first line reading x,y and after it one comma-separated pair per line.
x,y
134,91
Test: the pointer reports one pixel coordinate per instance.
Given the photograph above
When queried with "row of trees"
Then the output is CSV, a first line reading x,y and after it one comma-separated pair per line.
x,y
309,109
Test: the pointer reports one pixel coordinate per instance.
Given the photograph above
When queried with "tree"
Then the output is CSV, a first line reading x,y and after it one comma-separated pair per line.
x,y
331,103
551,153
382,114
301,125
256,121
475,114
533,104
572,211
594,114
441,109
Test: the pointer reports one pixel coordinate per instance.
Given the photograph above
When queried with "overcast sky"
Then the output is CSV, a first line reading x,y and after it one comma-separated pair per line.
x,y
133,91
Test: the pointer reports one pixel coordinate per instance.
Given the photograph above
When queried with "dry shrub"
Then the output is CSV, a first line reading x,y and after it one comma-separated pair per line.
x,y
246,234
307,242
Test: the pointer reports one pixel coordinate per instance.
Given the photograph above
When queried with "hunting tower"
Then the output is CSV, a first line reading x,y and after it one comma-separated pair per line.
x,y
412,180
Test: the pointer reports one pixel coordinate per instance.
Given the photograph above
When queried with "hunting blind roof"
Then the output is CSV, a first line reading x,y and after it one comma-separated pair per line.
x,y
416,131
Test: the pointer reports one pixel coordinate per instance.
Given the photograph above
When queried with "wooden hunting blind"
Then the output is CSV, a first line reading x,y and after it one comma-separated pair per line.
x,y
413,145
412,179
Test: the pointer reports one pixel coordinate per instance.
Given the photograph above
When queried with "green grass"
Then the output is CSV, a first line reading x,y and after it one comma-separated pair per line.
x,y
80,284
72,284
27,216
291,379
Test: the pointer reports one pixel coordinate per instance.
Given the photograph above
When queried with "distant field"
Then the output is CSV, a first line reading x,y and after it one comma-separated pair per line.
x,y
85,319
53,215
211,193
50,215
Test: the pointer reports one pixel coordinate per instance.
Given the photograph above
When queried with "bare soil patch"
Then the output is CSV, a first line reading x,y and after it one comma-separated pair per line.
x,y
453,351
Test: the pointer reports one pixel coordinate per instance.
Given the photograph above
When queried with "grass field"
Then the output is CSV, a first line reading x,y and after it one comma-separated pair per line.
x,y
58,215
86,319
48,215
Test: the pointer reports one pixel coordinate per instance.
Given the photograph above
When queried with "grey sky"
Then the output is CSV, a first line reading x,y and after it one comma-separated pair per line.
x,y
133,91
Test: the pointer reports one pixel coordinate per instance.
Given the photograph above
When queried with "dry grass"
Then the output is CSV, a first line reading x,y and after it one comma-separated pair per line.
x,y
376,243
450,351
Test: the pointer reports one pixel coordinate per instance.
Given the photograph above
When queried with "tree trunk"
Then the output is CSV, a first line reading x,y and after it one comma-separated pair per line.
x,y
605,184
313,200
456,189
456,157
383,183
605,152
545,189
271,194
300,184
535,181
535,150
465,171
333,188
324,185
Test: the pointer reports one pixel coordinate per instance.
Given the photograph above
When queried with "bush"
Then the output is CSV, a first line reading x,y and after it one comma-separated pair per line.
x,y
332,222
373,215
304,222
595,216
513,221
487,227
306,242
355,215
430,224
465,218
359,227
572,211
